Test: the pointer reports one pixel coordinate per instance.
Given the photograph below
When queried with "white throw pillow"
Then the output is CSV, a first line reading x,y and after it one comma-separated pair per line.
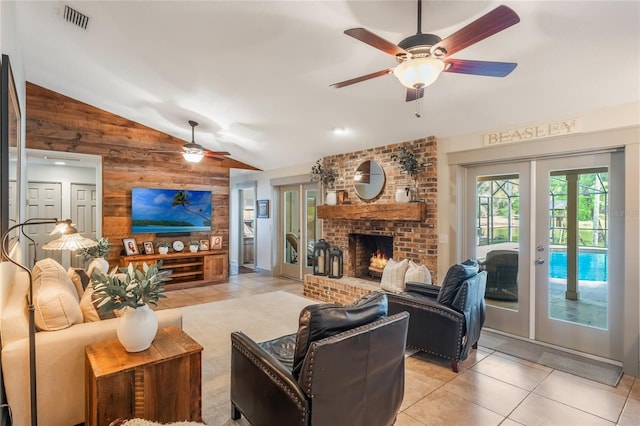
x,y
393,276
55,297
417,273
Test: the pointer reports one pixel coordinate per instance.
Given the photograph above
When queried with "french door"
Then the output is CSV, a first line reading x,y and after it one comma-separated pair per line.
x,y
298,230
543,231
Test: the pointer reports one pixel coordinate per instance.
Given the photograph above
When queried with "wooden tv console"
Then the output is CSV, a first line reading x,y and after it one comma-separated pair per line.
x,y
187,269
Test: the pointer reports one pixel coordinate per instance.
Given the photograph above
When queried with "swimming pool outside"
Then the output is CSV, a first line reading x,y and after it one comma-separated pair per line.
x,y
592,265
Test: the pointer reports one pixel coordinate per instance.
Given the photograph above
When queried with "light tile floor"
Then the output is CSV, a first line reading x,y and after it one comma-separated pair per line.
x,y
491,389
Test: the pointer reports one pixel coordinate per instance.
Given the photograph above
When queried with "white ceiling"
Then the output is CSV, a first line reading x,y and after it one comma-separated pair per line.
x,y
256,74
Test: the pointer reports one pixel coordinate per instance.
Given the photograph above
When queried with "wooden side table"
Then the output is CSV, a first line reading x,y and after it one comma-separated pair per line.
x,y
162,383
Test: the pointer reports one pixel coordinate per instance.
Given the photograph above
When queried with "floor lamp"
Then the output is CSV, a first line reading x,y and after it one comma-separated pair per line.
x,y
69,240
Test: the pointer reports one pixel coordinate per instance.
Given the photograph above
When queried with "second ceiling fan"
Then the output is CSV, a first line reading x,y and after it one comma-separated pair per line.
x,y
422,57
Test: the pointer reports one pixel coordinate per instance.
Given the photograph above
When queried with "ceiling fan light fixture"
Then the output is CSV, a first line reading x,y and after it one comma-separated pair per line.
x,y
418,73
193,157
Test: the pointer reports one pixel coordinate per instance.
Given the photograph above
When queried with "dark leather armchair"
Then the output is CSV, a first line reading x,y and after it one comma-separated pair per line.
x,y
445,321
344,366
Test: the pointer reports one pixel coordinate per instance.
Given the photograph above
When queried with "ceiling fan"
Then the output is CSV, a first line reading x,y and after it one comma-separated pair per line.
x,y
193,152
422,57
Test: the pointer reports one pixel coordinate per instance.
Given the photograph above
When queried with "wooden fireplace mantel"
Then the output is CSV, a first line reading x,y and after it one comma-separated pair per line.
x,y
377,211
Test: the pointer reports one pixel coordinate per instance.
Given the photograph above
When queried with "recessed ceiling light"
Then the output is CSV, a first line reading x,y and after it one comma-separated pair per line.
x,y
59,163
340,131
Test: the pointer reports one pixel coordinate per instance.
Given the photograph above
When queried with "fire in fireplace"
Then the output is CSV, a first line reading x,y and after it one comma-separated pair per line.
x,y
368,254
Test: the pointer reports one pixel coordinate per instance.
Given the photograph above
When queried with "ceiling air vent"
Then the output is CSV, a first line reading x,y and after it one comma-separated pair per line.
x,y
75,17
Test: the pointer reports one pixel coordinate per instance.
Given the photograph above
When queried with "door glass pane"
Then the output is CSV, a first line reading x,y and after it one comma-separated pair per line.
x,y
291,227
497,237
313,228
578,237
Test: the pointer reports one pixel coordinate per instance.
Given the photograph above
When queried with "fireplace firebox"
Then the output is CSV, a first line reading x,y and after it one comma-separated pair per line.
x,y
368,254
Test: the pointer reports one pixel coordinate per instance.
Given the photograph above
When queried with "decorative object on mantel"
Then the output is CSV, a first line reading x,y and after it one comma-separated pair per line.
x,y
409,164
332,198
369,180
403,195
163,247
336,263
326,176
133,294
321,258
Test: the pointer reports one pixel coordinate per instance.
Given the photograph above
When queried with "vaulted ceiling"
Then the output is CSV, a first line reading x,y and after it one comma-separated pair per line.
x,y
256,75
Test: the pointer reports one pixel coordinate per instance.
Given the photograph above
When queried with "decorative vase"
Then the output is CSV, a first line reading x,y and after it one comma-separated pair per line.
x,y
193,249
403,195
98,264
332,198
137,328
163,250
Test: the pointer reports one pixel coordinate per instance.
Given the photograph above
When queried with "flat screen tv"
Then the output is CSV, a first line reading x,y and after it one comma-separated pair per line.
x,y
159,211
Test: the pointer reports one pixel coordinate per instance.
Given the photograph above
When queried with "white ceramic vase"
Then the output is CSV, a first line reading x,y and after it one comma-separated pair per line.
x,y
98,264
403,195
163,250
332,198
137,328
193,249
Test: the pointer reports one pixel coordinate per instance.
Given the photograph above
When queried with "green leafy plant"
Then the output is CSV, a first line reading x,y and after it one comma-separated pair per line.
x,y
100,250
194,243
408,162
131,288
163,244
324,175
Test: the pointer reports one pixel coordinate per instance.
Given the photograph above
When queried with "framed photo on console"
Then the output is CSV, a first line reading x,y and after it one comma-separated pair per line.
x,y
216,242
204,244
148,247
130,246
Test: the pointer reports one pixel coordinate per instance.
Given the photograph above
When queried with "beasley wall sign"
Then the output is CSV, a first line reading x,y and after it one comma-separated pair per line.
x,y
538,131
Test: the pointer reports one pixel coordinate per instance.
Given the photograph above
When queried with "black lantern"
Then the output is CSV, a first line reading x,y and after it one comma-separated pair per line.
x,y
335,263
321,258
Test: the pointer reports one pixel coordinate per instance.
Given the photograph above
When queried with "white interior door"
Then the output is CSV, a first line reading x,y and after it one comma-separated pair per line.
x,y
44,200
83,213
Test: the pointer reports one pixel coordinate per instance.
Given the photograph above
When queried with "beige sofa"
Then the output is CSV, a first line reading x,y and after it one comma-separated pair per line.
x,y
60,362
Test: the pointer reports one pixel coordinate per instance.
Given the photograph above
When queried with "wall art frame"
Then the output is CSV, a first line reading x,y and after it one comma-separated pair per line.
x,y
263,209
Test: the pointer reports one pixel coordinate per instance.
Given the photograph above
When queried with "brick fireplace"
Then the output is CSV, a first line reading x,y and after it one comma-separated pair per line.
x,y
409,235
411,239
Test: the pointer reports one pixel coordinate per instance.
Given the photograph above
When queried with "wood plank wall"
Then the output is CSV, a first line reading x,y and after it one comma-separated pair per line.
x,y
58,123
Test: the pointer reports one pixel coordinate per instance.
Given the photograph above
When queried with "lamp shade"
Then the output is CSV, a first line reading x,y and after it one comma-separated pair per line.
x,y
419,72
193,157
70,242
70,238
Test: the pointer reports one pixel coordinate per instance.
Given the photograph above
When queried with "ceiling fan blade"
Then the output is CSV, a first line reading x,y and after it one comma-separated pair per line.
x,y
209,153
376,41
413,94
486,68
493,22
362,78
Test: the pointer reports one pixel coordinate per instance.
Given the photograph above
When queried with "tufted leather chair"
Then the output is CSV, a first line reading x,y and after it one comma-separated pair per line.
x,y
445,320
344,366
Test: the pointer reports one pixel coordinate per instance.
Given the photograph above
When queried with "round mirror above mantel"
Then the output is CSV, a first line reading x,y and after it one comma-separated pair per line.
x,y
369,180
